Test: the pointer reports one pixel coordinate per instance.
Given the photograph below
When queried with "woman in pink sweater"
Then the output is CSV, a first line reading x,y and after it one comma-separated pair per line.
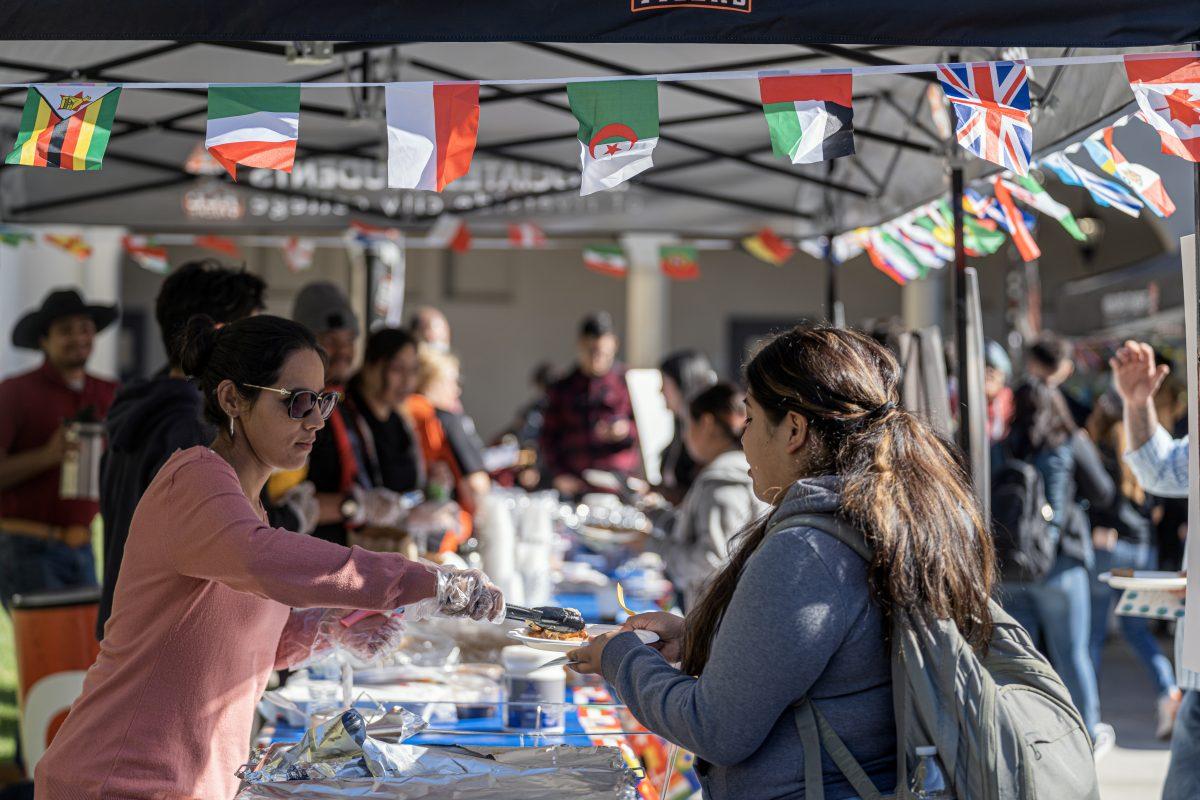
x,y
203,611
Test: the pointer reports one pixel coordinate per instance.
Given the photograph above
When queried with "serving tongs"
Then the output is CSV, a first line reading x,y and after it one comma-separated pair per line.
x,y
559,620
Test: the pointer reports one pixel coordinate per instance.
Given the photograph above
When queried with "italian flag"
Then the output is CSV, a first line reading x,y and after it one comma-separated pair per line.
x,y
810,117
431,132
618,129
253,125
606,259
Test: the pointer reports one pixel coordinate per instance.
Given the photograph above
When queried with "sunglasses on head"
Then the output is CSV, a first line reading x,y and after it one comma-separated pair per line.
x,y
301,402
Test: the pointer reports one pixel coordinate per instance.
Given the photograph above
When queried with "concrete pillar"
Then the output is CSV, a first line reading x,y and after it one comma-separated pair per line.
x,y
921,302
647,326
31,270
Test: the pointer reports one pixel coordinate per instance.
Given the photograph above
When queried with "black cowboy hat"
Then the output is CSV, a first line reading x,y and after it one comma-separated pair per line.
x,y
58,304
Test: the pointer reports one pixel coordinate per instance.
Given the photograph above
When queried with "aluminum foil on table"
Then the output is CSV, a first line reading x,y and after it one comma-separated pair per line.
x,y
339,759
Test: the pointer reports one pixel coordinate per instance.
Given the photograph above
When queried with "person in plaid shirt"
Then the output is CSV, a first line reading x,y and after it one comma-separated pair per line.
x,y
589,415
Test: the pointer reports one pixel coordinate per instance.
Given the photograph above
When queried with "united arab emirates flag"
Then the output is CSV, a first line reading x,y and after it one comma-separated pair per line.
x,y
253,125
618,129
810,117
65,126
606,259
679,262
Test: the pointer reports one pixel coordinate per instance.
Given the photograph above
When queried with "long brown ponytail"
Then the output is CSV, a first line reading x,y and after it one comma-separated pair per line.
x,y
902,484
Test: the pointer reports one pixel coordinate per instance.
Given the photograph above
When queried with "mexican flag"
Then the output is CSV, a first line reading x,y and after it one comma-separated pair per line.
x,y
606,259
1025,189
810,117
253,125
431,132
618,129
679,262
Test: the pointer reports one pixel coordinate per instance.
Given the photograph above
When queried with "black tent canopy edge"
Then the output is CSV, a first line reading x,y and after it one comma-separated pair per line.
x,y
961,23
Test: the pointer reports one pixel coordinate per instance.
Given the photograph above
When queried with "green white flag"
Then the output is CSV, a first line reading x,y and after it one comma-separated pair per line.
x,y
618,129
1029,192
606,259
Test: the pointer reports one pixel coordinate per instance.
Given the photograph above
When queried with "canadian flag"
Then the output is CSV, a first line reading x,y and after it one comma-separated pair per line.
x,y
526,234
1168,93
449,231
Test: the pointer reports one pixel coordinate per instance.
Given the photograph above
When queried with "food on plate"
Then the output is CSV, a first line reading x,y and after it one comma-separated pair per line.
x,y
538,632
1122,572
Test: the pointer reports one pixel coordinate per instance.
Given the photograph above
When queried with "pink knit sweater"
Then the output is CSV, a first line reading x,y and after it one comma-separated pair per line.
x,y
198,624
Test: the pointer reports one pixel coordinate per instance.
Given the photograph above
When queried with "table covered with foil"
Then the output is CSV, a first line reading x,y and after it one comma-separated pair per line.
x,y
340,758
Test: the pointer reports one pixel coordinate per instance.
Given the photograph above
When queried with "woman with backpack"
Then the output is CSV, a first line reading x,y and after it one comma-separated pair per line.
x,y
1057,607
798,618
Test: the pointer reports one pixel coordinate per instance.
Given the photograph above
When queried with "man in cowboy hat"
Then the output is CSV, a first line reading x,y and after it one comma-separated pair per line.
x,y
45,541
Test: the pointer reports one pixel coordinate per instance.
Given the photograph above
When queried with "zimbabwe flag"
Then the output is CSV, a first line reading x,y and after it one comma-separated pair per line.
x,y
65,126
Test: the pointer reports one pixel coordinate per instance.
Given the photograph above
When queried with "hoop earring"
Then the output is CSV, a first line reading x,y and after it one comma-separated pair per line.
x,y
231,429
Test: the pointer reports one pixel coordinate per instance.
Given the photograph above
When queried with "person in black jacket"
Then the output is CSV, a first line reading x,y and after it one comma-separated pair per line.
x,y
1058,608
151,419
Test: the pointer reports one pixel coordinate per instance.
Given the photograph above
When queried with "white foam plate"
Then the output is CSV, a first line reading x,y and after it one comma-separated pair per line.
x,y
1146,579
608,535
556,646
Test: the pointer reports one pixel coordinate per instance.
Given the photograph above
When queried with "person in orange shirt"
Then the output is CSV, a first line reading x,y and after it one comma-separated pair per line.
x,y
453,457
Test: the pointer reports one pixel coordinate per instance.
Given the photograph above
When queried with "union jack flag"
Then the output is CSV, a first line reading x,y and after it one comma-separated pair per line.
x,y
991,104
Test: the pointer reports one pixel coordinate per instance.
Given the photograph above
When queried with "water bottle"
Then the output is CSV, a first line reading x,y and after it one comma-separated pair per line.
x,y
928,779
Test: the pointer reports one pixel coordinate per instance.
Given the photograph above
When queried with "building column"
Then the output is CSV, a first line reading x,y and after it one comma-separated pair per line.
x,y
647,326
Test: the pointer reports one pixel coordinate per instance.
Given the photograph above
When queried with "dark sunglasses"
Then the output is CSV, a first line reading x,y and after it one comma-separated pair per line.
x,y
301,402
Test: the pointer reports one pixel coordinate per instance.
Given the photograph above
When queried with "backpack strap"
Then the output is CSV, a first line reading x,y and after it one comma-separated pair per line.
x,y
837,527
815,733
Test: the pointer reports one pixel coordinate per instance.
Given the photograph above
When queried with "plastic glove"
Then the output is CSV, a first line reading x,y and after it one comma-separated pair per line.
x,y
433,518
370,639
460,593
302,501
378,507
313,632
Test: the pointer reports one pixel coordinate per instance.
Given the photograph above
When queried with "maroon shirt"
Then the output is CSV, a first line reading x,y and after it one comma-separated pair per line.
x,y
32,406
574,407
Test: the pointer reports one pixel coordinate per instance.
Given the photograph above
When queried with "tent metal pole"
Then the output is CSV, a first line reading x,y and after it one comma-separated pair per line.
x,y
960,312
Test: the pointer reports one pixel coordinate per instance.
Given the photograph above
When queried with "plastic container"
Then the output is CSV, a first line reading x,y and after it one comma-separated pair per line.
x,y
928,779
534,693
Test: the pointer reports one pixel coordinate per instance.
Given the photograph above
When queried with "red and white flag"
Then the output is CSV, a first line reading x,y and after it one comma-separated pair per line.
x,y
451,232
431,133
526,234
1015,221
1168,93
298,252
219,244
145,253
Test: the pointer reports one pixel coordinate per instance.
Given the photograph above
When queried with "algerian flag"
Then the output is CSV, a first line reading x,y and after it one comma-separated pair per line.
x,y
253,125
618,129
1028,191
606,259
810,117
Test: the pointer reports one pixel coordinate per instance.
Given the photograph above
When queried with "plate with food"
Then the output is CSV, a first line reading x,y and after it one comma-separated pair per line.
x,y
1144,579
539,638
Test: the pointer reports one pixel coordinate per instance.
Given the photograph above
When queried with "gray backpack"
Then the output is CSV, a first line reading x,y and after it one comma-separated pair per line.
x,y
1004,724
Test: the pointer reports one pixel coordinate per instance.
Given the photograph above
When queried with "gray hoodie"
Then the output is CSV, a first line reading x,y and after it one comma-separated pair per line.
x,y
694,538
801,623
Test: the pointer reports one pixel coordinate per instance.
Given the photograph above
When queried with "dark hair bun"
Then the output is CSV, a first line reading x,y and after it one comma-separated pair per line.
x,y
199,337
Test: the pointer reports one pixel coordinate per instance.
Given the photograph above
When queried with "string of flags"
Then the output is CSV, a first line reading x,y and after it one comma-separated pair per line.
x,y
432,128
903,249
